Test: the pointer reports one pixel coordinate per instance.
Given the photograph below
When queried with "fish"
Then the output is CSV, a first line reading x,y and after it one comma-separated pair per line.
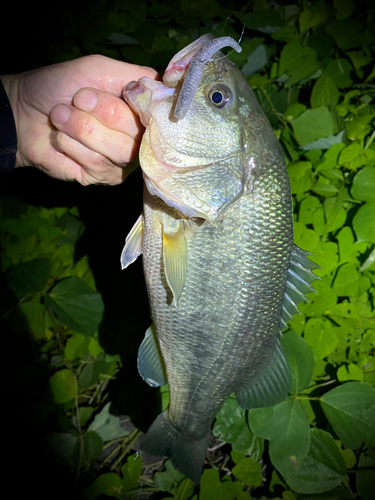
x,y
216,236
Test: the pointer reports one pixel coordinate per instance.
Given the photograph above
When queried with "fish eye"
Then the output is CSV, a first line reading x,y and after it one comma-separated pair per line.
x,y
220,96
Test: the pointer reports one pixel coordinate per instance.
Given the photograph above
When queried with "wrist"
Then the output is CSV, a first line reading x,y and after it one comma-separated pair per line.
x,y
10,84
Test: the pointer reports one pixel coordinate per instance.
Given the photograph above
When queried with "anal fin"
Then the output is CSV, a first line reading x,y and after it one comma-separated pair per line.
x,y
150,362
270,386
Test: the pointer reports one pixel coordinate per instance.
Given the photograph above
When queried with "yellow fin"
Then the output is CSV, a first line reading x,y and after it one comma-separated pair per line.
x,y
175,261
133,244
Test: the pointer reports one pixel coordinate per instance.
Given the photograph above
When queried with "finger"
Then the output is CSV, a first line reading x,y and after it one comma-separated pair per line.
x,y
111,111
111,75
117,146
88,166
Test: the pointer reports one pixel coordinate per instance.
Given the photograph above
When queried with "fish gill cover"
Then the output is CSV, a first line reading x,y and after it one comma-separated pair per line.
x,y
311,69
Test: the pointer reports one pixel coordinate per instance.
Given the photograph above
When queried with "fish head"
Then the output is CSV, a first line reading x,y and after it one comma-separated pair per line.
x,y
192,151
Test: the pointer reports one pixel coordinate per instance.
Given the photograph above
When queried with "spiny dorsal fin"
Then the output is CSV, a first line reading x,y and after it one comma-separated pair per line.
x,y
270,386
299,279
175,257
133,244
150,362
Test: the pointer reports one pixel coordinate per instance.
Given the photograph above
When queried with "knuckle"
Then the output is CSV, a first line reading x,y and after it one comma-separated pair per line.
x,y
112,112
61,140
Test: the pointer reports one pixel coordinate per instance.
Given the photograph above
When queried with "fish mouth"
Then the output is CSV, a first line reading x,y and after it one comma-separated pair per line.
x,y
144,95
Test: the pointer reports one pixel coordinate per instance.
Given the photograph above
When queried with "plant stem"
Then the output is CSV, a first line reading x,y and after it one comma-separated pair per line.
x,y
130,441
322,385
370,140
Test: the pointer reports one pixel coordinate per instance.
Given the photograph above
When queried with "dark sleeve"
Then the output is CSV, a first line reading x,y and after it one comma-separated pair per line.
x,y
8,135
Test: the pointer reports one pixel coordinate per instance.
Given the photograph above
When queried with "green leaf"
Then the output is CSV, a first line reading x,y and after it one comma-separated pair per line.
x,y
300,360
349,457
256,61
76,305
62,447
308,19
109,484
344,8
364,223
107,426
28,277
91,373
287,33
339,70
353,157
365,479
324,93
347,280
300,174
325,143
322,470
34,313
307,208
131,472
326,190
76,346
321,337
63,385
363,187
211,488
170,478
185,489
349,372
350,410
313,124
297,61
231,426
91,448
85,413
323,301
286,425
249,472
340,29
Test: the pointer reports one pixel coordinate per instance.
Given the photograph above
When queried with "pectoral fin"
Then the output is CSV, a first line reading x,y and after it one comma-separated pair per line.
x,y
271,386
150,362
133,244
175,260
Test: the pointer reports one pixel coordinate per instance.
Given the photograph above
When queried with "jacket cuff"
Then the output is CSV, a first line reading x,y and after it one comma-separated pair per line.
x,y
8,134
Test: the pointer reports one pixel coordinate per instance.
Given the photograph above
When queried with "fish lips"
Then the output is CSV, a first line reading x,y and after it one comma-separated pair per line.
x,y
144,95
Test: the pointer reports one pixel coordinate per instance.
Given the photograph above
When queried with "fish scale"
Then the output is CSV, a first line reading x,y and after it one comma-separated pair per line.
x,y
222,273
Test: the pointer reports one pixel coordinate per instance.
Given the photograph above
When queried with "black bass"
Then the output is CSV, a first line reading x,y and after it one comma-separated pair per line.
x,y
222,273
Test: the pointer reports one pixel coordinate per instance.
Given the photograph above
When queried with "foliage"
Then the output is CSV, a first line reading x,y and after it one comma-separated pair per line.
x,y
311,67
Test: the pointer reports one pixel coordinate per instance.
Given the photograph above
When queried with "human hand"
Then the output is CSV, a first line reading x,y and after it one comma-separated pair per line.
x,y
72,122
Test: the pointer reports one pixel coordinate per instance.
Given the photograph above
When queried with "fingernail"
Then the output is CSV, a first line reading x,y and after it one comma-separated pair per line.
x,y
85,100
60,114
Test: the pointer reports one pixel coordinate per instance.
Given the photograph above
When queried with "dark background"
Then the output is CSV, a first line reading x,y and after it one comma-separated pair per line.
x,y
33,36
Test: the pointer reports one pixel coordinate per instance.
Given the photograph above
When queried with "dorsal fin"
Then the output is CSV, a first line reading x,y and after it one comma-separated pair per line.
x,y
175,260
299,279
133,244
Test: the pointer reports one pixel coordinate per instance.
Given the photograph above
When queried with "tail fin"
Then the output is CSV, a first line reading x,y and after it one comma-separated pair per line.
x,y
163,440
